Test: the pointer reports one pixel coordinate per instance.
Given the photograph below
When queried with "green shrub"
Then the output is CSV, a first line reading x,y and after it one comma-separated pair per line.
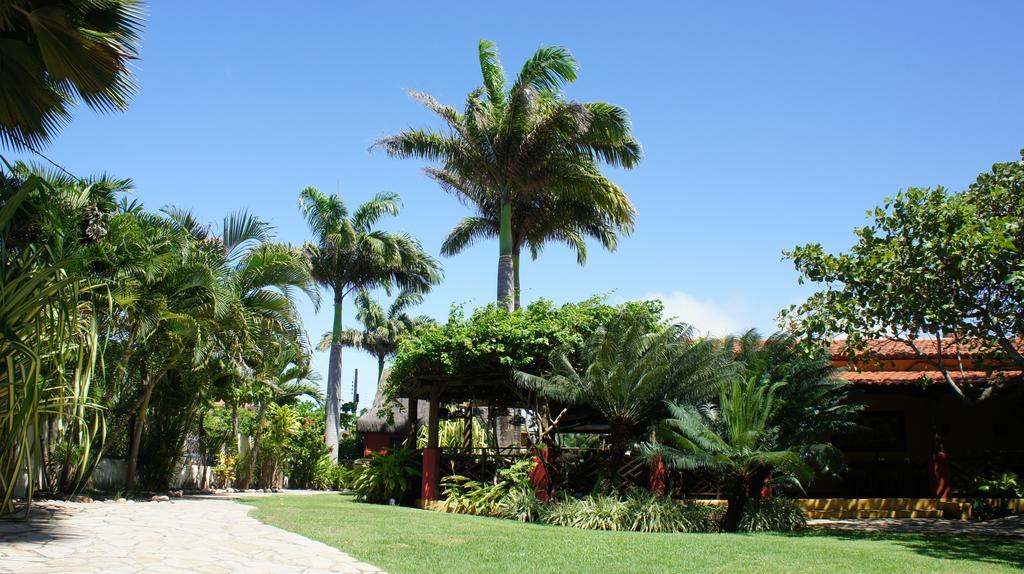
x,y
640,511
647,512
522,505
329,475
465,496
306,449
384,476
773,515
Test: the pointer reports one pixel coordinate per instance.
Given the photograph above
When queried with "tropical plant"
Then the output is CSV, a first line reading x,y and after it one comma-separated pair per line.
x,y
58,51
813,404
945,265
451,433
524,144
279,427
773,514
384,476
465,496
628,373
49,338
383,328
1004,484
737,440
348,255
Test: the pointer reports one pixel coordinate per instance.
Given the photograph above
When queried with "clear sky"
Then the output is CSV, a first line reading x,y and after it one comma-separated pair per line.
x,y
764,125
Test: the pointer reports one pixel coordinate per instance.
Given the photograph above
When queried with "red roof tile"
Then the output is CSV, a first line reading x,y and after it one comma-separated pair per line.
x,y
883,378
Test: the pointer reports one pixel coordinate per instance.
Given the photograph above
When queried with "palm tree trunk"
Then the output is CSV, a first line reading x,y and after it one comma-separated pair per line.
x,y
515,273
506,269
736,504
380,369
333,404
140,421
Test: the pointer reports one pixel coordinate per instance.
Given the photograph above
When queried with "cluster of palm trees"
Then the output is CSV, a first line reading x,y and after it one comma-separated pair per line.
x,y
524,158
121,324
163,301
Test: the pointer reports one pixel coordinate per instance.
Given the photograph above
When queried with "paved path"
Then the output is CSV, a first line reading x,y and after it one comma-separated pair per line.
x,y
186,535
1010,526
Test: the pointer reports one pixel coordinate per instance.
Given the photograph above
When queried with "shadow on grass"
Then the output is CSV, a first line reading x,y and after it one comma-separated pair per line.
x,y
996,550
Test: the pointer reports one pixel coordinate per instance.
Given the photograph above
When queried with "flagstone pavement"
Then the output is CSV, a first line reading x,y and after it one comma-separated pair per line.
x,y
183,535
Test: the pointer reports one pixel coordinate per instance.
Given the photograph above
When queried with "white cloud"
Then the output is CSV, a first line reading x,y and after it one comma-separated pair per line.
x,y
709,317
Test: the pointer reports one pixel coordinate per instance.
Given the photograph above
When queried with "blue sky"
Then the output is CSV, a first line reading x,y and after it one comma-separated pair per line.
x,y
765,125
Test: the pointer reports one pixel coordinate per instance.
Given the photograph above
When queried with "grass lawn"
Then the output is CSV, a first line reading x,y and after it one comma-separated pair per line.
x,y
405,540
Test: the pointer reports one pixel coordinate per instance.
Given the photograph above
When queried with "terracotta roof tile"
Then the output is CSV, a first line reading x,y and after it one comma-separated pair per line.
x,y
883,378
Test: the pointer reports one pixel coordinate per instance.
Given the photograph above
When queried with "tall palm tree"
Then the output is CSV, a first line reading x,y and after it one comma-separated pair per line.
x,y
629,372
383,328
516,143
347,255
56,51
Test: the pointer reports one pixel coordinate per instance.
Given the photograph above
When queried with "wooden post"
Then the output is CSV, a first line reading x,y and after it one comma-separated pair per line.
x,y
431,455
413,410
467,429
940,476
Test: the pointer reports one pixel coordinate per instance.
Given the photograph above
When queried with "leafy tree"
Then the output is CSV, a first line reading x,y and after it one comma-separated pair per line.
x,y
348,255
513,145
934,263
382,328
57,51
628,372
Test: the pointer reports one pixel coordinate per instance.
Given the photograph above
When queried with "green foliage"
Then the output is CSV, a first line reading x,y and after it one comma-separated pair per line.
x,y
306,449
465,496
328,475
522,505
348,253
640,511
528,160
628,370
774,514
384,476
61,51
226,469
450,434
1004,484
494,338
738,440
947,265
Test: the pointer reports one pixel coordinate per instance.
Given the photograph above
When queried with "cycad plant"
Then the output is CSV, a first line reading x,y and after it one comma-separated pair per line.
x,y
522,145
382,329
348,254
628,372
57,51
737,439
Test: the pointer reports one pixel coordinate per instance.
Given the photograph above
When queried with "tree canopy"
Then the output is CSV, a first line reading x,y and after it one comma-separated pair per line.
x,y
931,263
494,338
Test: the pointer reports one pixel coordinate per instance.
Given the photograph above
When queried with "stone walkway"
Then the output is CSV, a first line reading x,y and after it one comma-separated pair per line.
x,y
185,535
1010,526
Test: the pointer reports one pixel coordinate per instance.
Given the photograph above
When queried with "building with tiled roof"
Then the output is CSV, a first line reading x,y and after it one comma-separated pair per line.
x,y
920,439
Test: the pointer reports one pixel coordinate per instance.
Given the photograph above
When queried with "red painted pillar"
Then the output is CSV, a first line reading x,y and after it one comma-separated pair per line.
x,y
431,469
539,476
431,485
657,478
940,476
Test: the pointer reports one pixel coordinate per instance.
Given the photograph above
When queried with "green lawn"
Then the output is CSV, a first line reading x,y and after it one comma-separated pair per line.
x,y
405,540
